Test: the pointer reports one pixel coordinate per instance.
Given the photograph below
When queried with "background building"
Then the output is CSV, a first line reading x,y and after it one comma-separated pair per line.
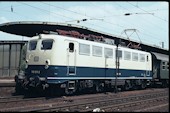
x,y
10,55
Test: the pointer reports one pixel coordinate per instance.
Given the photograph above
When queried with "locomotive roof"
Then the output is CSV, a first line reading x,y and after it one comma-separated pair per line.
x,y
33,28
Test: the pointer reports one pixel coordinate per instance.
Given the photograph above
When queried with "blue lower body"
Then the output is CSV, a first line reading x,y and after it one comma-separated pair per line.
x,y
60,74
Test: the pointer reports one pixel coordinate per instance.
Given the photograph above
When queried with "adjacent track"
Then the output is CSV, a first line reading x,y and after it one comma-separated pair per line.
x,y
122,101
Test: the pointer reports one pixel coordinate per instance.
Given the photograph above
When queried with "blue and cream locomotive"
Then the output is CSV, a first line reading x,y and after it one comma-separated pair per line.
x,y
74,64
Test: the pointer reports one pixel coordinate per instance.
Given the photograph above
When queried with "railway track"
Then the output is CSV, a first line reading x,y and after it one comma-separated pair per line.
x,y
10,99
19,103
128,106
164,106
113,103
83,103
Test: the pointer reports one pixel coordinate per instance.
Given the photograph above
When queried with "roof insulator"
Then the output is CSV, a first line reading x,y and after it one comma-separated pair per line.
x,y
127,14
84,19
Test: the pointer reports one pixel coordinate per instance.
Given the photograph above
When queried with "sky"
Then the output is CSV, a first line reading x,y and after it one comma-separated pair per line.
x,y
147,23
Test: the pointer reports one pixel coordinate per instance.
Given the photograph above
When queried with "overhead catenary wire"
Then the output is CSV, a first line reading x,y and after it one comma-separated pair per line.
x,y
59,14
83,15
147,12
156,10
146,33
129,22
89,17
143,19
79,14
63,8
45,10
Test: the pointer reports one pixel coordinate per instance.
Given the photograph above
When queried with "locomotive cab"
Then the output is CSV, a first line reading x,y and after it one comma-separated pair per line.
x,y
37,62
38,59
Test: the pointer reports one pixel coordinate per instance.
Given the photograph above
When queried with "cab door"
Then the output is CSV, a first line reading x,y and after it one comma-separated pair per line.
x,y
71,56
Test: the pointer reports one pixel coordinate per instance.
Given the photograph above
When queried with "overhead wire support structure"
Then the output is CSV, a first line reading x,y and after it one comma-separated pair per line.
x,y
117,42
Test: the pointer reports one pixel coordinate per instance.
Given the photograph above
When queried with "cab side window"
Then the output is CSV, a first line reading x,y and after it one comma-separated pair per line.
x,y
71,47
147,58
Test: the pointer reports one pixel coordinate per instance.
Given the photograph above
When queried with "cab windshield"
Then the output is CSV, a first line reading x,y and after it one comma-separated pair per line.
x,y
32,45
46,44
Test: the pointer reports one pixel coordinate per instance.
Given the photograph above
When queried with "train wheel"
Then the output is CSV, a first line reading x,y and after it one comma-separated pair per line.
x,y
99,87
126,86
164,84
143,85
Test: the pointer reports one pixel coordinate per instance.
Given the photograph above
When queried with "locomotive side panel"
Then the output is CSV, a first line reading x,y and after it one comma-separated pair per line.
x,y
89,63
135,63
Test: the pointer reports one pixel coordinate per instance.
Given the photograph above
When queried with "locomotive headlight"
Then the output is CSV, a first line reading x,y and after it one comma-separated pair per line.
x,y
47,62
26,64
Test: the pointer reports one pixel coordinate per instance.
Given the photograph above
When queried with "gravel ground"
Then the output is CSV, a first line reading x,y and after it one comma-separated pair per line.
x,y
7,91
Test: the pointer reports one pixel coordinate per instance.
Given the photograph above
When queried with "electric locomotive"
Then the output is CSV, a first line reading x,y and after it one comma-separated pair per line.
x,y
75,64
